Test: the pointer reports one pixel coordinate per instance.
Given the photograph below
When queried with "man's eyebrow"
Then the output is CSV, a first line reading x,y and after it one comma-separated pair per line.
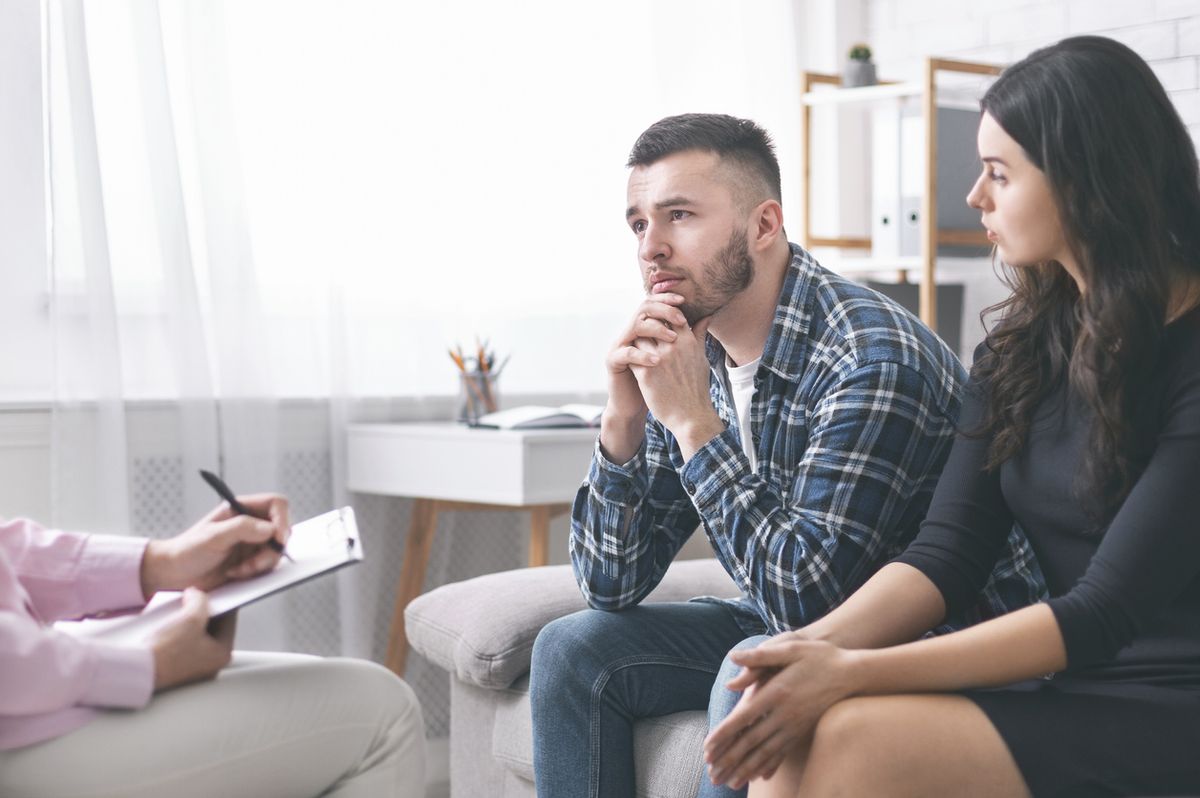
x,y
673,202
669,202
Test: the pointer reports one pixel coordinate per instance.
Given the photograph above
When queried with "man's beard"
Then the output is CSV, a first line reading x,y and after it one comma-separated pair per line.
x,y
725,276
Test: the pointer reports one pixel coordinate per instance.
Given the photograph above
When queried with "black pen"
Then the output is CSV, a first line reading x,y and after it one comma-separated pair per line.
x,y
238,508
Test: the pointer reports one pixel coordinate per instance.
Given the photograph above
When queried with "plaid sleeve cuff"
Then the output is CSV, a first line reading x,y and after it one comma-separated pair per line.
x,y
712,470
617,483
110,573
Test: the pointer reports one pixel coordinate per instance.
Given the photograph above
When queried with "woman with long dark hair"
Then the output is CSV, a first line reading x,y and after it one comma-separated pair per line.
x,y
1082,425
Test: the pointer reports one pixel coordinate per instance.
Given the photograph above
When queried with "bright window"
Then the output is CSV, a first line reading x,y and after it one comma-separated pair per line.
x,y
404,175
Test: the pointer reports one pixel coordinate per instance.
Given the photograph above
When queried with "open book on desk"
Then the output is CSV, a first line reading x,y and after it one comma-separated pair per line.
x,y
538,416
317,546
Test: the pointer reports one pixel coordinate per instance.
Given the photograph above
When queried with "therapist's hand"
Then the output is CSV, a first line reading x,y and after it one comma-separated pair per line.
x,y
220,547
190,648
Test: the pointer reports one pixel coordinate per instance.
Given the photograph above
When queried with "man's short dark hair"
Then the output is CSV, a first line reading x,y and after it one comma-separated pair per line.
x,y
738,142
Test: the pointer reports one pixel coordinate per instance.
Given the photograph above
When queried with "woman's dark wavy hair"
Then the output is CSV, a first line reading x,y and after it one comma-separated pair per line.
x,y
1122,168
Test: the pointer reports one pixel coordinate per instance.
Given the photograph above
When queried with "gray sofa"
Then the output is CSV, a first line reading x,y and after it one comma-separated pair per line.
x,y
482,632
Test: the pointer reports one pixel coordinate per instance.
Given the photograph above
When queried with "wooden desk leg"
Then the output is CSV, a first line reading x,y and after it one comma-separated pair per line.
x,y
412,577
539,535
539,532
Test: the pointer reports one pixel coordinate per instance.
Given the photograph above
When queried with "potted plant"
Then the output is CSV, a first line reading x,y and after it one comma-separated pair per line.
x,y
859,71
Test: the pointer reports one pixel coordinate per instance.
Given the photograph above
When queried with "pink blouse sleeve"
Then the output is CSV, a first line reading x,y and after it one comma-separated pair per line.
x,y
71,575
48,575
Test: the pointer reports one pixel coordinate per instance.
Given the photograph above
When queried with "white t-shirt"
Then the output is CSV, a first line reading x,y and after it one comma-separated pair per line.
x,y
741,387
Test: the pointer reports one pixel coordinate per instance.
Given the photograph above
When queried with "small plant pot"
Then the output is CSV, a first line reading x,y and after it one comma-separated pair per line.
x,y
858,73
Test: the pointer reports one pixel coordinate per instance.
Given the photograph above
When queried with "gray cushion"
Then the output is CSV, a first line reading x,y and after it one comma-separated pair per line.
x,y
512,736
668,763
669,754
482,630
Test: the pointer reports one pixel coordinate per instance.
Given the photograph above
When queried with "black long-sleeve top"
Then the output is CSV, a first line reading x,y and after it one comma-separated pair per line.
x,y
1127,601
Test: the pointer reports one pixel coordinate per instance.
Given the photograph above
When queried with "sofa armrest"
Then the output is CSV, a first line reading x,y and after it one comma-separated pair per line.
x,y
482,630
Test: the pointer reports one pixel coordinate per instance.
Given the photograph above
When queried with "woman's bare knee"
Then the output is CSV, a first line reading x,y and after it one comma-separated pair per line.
x,y
908,745
835,733
845,726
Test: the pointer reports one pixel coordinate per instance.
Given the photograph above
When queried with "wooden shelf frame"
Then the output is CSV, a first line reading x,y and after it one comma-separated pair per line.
x,y
930,235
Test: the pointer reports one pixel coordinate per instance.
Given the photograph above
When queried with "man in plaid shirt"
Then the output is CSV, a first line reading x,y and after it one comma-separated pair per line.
x,y
799,418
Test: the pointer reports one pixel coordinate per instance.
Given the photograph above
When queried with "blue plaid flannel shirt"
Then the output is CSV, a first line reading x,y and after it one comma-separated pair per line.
x,y
853,415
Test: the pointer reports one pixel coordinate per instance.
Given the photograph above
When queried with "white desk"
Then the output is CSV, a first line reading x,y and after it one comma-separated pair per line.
x,y
448,466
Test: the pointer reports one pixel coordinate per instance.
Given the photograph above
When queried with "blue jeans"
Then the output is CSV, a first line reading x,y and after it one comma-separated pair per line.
x,y
720,704
595,673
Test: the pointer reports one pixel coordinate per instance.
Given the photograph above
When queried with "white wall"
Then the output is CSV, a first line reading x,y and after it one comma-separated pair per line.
x,y
1164,32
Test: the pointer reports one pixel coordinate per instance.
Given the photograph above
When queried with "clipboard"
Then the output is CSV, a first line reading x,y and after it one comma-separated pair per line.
x,y
320,545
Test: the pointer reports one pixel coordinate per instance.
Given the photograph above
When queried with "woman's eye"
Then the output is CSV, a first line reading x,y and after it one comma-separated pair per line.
x,y
996,176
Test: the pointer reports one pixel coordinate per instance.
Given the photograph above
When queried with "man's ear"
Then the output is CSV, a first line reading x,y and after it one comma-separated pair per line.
x,y
768,224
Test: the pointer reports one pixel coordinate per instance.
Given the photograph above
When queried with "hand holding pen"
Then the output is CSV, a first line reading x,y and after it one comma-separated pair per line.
x,y
240,509
224,545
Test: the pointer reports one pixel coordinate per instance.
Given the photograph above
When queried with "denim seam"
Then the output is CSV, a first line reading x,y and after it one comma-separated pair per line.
x,y
598,689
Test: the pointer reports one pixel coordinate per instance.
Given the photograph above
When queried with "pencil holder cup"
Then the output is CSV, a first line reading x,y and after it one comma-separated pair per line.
x,y
477,395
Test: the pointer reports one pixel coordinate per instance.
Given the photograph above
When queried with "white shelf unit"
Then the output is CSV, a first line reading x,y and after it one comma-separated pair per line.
x,y
930,236
860,94
870,265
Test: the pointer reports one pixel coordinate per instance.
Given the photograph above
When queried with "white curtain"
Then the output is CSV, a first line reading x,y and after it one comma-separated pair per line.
x,y
267,202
